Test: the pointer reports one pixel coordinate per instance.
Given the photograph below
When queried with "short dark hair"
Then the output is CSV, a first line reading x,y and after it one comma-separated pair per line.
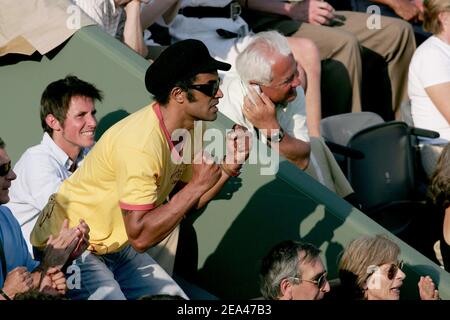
x,y
439,190
163,97
2,144
283,262
56,98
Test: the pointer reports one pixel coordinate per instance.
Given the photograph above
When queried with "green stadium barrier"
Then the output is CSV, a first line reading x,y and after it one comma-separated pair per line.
x,y
221,247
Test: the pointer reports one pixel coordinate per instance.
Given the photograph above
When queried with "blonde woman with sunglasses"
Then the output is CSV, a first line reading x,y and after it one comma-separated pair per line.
x,y
370,269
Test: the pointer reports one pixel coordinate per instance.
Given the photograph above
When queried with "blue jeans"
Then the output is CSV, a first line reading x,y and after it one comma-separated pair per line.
x,y
123,275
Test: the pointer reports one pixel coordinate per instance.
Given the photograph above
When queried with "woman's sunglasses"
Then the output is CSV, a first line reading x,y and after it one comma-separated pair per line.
x,y
210,89
5,168
393,269
391,272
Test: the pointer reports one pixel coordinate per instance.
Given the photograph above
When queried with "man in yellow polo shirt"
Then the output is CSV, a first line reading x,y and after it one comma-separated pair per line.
x,y
122,189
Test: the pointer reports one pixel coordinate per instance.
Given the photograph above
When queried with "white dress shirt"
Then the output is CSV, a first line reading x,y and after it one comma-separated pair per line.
x,y
40,171
204,29
104,12
292,118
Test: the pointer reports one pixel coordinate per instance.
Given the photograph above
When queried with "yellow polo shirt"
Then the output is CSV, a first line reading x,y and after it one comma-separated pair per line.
x,y
131,167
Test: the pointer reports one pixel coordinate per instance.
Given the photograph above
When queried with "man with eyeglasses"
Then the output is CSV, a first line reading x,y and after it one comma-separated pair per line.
x,y
266,97
293,270
139,181
18,271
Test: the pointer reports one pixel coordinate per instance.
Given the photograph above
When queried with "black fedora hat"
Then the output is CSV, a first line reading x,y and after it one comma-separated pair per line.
x,y
180,61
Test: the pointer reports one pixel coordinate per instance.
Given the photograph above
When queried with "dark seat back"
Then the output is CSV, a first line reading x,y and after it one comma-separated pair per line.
x,y
386,173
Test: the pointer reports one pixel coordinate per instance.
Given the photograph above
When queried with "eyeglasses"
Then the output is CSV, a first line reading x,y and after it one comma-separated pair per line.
x,y
393,269
320,283
391,272
210,89
5,168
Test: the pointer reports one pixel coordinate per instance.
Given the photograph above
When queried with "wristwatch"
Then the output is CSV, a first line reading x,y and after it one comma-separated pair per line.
x,y
276,137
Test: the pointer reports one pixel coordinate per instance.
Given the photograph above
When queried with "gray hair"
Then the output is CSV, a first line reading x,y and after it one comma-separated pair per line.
x,y
282,262
254,62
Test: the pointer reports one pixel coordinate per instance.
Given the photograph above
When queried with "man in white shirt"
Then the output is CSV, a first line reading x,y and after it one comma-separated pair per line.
x,y
278,113
68,119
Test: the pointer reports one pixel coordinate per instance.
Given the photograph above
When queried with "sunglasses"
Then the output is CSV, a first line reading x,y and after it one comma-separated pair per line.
x,y
5,168
391,272
320,282
393,269
210,89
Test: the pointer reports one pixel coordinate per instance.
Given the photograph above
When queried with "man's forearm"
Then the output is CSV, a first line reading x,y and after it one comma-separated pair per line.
x,y
146,228
211,193
133,33
295,150
271,6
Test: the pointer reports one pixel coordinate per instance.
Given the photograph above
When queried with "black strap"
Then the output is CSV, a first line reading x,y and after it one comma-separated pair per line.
x,y
207,12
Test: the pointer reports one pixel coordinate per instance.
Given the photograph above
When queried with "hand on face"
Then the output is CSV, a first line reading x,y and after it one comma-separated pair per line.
x,y
261,113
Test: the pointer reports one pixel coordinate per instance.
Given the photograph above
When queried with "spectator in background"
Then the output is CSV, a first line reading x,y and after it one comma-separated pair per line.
x,y
439,192
370,269
278,112
293,270
138,15
339,36
68,120
429,81
19,273
218,24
